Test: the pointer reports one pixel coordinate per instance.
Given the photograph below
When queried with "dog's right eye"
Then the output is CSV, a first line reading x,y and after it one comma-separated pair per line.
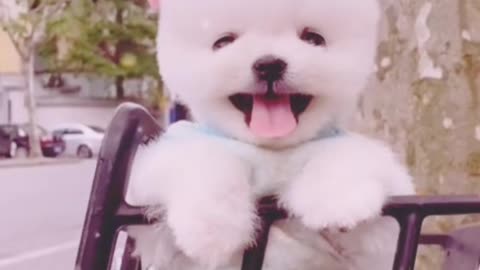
x,y
224,41
312,37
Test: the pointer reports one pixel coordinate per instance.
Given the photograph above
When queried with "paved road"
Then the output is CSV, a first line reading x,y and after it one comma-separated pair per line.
x,y
42,210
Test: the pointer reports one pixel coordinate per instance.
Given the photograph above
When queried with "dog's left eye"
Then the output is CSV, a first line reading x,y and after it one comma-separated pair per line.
x,y
312,37
224,41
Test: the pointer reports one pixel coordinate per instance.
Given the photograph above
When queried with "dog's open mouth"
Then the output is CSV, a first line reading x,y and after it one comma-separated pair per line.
x,y
271,115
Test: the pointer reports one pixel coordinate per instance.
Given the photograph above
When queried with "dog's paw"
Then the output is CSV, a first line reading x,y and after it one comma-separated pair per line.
x,y
328,204
346,182
213,222
210,231
210,207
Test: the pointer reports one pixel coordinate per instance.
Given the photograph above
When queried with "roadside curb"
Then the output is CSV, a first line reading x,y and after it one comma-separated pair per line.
x,y
36,162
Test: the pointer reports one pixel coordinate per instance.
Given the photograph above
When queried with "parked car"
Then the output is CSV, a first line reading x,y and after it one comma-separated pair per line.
x,y
7,143
16,141
52,144
81,140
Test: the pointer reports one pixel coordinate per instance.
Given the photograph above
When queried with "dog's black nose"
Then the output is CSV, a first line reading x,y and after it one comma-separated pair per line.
x,y
269,68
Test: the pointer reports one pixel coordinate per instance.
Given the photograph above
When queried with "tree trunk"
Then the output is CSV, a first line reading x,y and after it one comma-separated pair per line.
x,y
119,87
424,100
118,54
29,72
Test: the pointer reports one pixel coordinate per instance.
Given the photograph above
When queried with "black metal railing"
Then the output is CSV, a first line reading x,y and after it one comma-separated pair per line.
x,y
108,212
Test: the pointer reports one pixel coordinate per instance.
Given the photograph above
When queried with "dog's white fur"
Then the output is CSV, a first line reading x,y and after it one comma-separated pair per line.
x,y
207,185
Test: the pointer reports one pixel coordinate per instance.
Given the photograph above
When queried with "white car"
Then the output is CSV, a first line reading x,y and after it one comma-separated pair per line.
x,y
81,140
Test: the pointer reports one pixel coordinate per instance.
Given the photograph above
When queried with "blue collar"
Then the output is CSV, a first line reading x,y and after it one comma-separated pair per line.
x,y
330,131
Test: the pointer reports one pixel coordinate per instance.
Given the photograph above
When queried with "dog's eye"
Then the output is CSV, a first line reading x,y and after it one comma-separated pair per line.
x,y
224,41
312,37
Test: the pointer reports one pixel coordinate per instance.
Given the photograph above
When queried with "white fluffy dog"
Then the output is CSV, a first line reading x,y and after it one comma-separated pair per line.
x,y
270,84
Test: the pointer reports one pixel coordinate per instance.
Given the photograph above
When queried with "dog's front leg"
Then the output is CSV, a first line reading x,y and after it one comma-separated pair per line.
x,y
205,191
346,181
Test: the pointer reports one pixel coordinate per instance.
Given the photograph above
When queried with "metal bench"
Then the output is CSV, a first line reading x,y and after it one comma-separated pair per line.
x,y
108,213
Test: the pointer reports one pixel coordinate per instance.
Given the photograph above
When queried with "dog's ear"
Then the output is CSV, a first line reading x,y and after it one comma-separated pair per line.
x,y
154,4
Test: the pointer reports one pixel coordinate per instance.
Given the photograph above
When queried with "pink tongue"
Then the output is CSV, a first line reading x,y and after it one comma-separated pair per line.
x,y
272,118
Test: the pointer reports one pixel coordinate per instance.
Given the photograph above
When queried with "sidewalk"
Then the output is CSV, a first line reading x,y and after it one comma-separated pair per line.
x,y
28,162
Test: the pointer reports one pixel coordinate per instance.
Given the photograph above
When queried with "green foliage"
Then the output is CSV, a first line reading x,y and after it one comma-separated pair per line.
x,y
24,21
110,38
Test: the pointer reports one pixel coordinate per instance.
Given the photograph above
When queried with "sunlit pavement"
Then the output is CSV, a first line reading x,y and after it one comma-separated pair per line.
x,y
42,210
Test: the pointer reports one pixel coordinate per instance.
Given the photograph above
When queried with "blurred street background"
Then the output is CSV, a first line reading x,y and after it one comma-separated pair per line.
x,y
65,66
43,208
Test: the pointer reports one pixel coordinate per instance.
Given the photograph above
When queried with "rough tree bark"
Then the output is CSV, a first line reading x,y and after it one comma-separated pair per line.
x,y
119,80
29,75
424,99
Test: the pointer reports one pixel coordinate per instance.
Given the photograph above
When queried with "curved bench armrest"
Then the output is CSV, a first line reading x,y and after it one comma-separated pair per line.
x,y
107,211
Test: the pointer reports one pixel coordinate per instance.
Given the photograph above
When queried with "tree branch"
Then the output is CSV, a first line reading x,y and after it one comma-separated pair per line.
x,y
45,11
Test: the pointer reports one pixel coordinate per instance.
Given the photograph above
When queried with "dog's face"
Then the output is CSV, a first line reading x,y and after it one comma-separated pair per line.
x,y
269,72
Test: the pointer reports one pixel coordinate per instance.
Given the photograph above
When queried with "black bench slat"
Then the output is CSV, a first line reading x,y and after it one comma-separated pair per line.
x,y
107,212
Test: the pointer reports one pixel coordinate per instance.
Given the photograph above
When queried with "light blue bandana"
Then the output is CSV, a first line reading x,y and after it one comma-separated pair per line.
x,y
187,128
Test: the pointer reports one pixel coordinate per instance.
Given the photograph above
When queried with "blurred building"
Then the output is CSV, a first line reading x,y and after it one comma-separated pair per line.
x,y
11,82
81,98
